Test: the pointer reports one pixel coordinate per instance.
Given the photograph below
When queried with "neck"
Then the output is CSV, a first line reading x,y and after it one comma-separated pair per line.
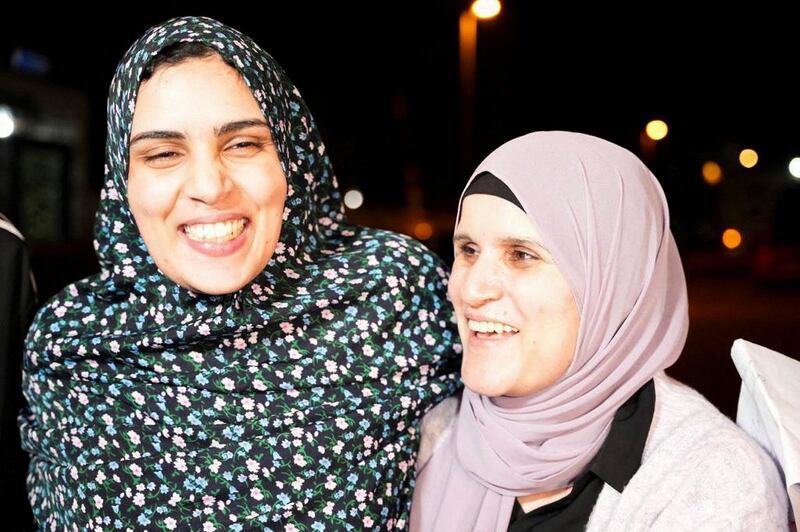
x,y
537,500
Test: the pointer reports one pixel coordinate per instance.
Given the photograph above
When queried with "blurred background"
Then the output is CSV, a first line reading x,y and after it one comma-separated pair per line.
x,y
409,98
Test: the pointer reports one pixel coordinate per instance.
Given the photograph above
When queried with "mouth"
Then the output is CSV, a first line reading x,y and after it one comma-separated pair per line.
x,y
215,232
216,239
490,330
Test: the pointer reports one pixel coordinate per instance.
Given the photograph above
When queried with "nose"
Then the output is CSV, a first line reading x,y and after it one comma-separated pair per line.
x,y
209,181
482,283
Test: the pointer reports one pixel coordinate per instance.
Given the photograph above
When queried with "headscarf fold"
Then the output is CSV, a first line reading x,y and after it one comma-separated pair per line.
x,y
291,404
603,216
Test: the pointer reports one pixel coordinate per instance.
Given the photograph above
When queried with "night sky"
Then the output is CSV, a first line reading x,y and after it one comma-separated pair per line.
x,y
383,84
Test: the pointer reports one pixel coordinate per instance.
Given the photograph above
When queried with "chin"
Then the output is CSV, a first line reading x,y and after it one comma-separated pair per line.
x,y
477,382
213,287
485,391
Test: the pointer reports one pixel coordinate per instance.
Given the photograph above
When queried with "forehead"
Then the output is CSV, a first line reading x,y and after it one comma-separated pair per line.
x,y
484,215
194,91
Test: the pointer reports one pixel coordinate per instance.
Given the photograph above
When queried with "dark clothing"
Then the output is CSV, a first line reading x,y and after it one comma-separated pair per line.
x,y
17,306
615,463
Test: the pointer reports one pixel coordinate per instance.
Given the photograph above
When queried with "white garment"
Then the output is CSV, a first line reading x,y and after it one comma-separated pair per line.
x,y
699,471
769,408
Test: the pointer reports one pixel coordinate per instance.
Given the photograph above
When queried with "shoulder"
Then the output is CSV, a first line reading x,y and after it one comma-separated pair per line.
x,y
393,264
12,246
699,467
683,416
436,427
8,232
699,471
379,247
67,314
684,419
402,252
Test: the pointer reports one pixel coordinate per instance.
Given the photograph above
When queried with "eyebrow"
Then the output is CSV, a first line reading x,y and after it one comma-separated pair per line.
x,y
230,127
240,124
509,241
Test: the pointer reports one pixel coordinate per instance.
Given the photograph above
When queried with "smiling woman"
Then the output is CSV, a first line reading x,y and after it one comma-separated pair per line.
x,y
515,298
205,183
571,301
245,359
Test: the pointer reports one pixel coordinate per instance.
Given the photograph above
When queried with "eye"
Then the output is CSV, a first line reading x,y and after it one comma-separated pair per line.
x,y
245,146
522,255
467,249
161,156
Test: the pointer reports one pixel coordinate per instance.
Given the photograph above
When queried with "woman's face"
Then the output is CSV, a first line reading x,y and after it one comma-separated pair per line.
x,y
517,317
205,184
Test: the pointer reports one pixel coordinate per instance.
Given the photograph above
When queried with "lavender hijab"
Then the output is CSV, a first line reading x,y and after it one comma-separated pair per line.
x,y
603,216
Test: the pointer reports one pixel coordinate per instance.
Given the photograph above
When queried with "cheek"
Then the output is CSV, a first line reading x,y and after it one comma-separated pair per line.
x,y
454,285
148,199
263,180
454,292
559,330
269,197
550,312
572,321
566,308
546,295
141,210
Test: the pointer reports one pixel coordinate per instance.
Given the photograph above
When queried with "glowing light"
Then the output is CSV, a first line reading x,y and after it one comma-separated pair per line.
x,y
485,8
656,129
353,199
423,230
794,167
748,158
7,124
712,173
731,238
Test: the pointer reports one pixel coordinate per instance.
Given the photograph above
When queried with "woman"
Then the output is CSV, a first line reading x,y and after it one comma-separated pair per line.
x,y
245,359
571,300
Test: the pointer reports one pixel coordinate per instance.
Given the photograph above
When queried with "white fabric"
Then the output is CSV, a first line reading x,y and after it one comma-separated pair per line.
x,y
6,225
769,408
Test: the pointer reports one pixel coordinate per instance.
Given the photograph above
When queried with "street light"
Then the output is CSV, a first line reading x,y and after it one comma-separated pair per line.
x,y
467,48
7,123
794,167
653,132
712,172
485,8
748,157
656,129
731,238
353,199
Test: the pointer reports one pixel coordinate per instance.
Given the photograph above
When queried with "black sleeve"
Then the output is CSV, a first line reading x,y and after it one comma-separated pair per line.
x,y
17,307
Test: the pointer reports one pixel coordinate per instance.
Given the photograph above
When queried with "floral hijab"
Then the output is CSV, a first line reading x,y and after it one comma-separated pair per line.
x,y
291,404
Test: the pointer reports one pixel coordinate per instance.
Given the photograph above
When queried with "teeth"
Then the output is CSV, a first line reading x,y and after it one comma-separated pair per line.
x,y
490,327
218,232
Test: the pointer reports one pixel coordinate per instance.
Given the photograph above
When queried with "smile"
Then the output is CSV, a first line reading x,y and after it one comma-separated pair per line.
x,y
491,327
216,232
219,239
